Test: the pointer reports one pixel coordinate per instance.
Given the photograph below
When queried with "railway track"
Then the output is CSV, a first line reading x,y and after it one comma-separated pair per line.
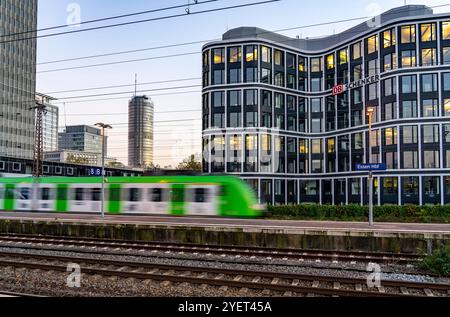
x,y
268,282
223,251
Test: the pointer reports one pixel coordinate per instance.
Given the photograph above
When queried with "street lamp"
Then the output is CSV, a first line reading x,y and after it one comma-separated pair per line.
x,y
103,126
370,111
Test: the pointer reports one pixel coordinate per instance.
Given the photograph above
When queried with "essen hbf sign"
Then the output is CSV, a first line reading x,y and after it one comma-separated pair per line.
x,y
339,89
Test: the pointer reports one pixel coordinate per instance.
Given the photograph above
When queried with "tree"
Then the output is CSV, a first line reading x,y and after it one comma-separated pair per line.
x,y
191,163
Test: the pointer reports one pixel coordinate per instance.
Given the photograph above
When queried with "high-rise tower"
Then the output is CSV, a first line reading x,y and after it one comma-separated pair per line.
x,y
17,77
140,132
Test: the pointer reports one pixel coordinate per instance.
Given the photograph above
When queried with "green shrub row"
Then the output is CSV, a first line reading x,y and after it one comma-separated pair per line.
x,y
392,213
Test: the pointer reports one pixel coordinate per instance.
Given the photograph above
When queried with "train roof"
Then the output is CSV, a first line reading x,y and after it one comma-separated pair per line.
x,y
121,180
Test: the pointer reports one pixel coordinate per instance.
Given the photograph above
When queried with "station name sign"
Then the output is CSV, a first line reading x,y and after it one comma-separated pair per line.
x,y
339,89
371,167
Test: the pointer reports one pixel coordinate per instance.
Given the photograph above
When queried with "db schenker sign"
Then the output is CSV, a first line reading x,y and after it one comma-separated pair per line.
x,y
339,89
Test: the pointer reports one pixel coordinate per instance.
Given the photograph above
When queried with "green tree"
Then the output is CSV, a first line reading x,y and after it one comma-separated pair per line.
x,y
191,163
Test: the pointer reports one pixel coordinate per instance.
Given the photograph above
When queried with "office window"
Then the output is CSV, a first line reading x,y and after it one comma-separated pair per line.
x,y
251,97
429,57
372,44
391,160
372,67
251,53
218,77
266,54
410,186
409,84
389,62
390,186
316,105
390,86
356,51
218,55
316,84
389,111
430,108
316,125
431,159
235,120
409,109
235,76
251,119
358,141
302,62
330,61
428,32
429,82
373,91
446,82
266,76
390,136
235,55
316,65
408,34
431,185
343,56
389,38
447,107
234,98
357,96
446,30
430,133
218,99
410,159
251,74
290,61
410,134
279,79
316,146
357,73
331,145
408,58
446,55
279,58
219,120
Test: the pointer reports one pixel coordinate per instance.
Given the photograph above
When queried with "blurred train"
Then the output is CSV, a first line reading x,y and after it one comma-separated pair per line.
x,y
225,196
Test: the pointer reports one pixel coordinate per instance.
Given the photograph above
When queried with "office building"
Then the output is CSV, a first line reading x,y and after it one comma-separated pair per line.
x,y
17,78
290,115
140,132
82,138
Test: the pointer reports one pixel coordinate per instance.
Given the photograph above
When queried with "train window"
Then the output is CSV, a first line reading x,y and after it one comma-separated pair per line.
x,y
45,193
114,194
201,195
156,195
1,193
177,195
79,194
24,194
96,194
134,194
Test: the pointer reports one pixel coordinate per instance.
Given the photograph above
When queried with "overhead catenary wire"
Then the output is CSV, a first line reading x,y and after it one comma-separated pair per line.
x,y
142,21
108,18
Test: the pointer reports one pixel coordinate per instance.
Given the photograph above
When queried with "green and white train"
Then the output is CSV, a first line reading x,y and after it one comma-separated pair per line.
x,y
225,196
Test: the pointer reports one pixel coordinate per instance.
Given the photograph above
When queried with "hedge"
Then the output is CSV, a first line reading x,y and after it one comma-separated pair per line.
x,y
385,213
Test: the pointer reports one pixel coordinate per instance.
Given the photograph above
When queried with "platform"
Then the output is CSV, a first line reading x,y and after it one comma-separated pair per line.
x,y
386,237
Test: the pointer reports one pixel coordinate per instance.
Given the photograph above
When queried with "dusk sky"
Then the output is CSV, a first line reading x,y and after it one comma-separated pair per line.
x,y
174,139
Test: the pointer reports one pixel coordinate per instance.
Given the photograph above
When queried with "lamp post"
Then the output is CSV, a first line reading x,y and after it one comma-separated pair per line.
x,y
370,111
103,126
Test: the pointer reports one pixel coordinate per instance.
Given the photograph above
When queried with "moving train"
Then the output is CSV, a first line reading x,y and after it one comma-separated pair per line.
x,y
225,196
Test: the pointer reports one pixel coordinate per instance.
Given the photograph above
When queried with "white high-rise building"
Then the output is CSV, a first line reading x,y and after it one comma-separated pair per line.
x,y
140,132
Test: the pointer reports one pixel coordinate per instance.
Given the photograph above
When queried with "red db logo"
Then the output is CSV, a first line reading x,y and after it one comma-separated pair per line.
x,y
339,89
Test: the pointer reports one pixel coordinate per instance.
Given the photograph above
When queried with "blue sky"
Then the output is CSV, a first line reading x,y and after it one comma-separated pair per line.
x,y
173,140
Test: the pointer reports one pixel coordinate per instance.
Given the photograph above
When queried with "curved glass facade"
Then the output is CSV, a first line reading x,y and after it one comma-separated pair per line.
x,y
290,115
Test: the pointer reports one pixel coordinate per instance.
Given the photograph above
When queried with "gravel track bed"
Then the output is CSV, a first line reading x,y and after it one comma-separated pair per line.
x,y
239,266
328,268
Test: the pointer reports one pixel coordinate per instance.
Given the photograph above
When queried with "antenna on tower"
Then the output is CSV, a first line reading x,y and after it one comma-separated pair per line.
x,y
135,85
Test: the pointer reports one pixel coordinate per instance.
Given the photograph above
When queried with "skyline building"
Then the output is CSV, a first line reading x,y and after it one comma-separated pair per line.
x,y
82,138
50,123
140,132
290,116
17,78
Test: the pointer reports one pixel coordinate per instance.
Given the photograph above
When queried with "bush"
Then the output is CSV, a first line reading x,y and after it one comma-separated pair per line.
x,y
386,213
438,262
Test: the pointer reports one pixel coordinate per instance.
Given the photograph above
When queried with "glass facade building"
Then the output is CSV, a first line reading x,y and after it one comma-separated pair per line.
x,y
82,138
290,115
17,77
